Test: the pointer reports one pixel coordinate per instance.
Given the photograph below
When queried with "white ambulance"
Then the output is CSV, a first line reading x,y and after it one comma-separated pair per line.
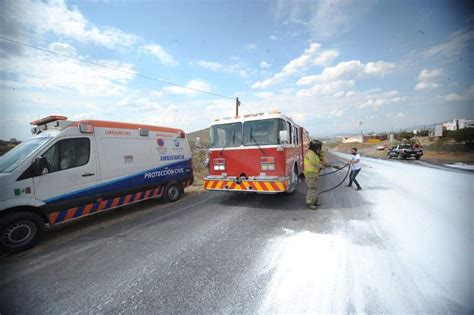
x,y
71,169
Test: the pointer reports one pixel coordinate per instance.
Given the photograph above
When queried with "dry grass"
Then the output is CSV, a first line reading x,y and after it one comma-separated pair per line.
x,y
200,171
368,149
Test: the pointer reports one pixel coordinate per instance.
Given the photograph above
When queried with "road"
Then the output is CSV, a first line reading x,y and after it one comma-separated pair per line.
x,y
403,244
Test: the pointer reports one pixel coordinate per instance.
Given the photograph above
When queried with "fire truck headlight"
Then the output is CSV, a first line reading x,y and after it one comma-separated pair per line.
x,y
219,167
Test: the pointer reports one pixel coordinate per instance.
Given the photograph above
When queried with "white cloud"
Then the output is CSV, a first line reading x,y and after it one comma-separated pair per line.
x,y
264,64
311,56
213,66
298,117
398,115
324,18
426,75
425,85
456,44
193,84
380,99
36,69
62,48
273,37
218,67
265,95
158,52
326,88
251,47
336,112
55,17
453,97
349,69
427,79
467,95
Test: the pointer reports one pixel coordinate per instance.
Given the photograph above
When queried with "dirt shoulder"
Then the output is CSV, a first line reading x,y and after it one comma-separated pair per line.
x,y
442,157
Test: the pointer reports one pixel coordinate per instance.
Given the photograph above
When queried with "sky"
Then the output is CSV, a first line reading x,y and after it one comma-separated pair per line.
x,y
334,66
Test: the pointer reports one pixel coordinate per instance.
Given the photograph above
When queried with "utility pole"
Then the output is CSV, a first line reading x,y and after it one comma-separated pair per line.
x,y
237,104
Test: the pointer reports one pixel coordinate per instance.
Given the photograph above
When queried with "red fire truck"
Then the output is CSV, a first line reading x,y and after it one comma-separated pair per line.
x,y
260,153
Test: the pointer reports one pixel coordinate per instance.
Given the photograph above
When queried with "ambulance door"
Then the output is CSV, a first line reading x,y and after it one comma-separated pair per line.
x,y
72,173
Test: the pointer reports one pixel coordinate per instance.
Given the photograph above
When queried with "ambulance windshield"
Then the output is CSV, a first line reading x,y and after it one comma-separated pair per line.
x,y
263,132
17,155
226,135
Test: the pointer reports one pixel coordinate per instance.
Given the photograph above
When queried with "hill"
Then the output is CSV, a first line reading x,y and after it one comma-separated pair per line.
x,y
201,134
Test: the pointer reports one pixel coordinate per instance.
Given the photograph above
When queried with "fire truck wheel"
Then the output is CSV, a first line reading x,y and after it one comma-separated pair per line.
x,y
293,183
172,192
20,231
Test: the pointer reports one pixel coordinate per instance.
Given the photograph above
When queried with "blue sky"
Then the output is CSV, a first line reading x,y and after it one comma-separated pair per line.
x,y
329,64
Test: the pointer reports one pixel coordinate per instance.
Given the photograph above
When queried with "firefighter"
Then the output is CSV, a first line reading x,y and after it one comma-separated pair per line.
x,y
312,165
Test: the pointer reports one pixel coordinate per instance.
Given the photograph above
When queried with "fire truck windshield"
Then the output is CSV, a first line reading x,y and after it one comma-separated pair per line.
x,y
226,135
263,132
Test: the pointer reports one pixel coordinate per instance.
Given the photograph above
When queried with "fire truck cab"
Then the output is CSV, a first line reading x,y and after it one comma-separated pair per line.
x,y
260,153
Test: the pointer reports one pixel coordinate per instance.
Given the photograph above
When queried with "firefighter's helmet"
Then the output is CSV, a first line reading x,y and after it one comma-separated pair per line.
x,y
315,145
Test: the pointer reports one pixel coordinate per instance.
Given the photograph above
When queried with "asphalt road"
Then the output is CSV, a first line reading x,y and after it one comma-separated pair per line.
x,y
401,245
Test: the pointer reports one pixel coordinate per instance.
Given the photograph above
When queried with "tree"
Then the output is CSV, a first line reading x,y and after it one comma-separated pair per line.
x,y
462,135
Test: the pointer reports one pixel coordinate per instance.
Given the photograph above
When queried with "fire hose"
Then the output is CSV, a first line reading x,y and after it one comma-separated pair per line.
x,y
337,170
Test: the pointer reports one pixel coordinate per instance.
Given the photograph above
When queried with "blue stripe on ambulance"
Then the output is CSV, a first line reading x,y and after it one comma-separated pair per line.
x,y
137,179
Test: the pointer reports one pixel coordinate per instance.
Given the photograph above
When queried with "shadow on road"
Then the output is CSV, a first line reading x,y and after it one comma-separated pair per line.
x,y
280,201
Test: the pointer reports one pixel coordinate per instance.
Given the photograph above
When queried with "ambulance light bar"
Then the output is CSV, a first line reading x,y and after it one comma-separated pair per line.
x,y
45,120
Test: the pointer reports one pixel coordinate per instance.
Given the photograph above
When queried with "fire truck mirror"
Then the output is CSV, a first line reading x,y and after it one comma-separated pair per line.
x,y
284,136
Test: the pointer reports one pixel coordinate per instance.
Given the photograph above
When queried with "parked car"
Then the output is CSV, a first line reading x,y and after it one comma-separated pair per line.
x,y
406,150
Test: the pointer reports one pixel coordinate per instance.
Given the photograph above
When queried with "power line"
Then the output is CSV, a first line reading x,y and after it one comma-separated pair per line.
x,y
115,69
243,104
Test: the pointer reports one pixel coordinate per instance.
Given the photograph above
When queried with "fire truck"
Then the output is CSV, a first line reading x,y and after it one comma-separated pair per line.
x,y
261,153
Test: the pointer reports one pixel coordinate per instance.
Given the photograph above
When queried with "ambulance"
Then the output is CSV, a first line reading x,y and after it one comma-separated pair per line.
x,y
72,169
261,153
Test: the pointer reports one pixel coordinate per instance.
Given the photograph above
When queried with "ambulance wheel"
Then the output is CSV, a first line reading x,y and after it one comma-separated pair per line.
x,y
20,231
172,192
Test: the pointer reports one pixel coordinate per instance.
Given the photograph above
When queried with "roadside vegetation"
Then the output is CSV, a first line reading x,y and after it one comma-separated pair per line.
x,y
6,146
199,143
454,146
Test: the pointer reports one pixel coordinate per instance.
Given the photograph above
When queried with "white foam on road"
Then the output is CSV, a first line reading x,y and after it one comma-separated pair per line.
x,y
462,166
415,254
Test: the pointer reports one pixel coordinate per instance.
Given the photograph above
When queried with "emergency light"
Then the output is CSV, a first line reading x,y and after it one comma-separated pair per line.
x,y
267,163
86,128
219,164
48,119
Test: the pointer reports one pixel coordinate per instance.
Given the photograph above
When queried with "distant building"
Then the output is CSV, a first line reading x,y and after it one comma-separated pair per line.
x,y
375,138
354,139
438,131
457,124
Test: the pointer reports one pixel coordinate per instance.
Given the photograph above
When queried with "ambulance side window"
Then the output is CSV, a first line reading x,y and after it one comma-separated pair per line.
x,y
68,153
